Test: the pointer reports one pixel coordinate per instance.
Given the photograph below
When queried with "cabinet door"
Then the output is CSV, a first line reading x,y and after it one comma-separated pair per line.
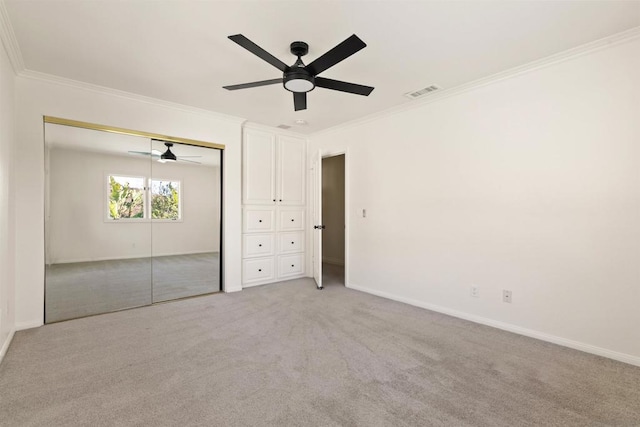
x,y
291,176
258,168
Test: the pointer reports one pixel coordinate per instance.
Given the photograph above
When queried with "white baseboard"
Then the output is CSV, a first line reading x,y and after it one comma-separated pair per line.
x,y
276,280
7,343
334,261
28,325
576,345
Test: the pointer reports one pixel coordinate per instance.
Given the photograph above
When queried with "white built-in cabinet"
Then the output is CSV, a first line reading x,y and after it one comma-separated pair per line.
x,y
273,169
273,196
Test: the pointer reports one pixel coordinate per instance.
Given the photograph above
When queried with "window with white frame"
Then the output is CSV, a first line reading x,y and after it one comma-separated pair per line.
x,y
129,199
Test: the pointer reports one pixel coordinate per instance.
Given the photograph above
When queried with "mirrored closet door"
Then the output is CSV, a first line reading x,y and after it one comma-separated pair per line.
x,y
129,221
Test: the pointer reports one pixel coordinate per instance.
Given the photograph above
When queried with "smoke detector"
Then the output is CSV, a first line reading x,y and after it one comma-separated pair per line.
x,y
284,126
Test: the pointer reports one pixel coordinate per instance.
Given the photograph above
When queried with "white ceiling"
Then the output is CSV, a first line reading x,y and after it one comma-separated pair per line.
x,y
73,138
178,51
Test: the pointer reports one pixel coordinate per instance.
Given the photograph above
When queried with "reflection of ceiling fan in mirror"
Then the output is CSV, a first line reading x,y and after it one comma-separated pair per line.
x,y
167,156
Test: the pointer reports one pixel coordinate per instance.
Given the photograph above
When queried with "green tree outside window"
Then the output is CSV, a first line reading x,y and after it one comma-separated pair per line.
x,y
165,200
126,197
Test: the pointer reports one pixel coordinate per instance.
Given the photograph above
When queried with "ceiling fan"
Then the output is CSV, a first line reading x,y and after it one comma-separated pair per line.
x,y
167,156
300,78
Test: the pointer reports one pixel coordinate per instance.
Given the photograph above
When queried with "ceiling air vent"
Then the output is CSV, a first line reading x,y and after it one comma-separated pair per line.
x,y
422,92
283,126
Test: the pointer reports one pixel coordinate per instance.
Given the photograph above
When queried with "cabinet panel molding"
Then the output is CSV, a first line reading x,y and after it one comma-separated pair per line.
x,y
290,265
258,220
258,168
291,242
256,245
290,220
291,172
257,270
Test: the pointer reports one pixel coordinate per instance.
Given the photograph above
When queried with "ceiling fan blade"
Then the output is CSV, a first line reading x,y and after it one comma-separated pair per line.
x,y
143,153
258,51
253,84
300,100
343,86
337,54
180,159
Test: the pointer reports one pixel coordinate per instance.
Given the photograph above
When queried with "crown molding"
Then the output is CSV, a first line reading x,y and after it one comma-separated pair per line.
x,y
615,39
76,84
273,129
9,40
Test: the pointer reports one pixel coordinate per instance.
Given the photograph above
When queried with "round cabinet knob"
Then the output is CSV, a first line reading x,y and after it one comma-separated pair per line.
x,y
280,199
274,200
261,220
292,265
259,245
292,219
292,243
259,269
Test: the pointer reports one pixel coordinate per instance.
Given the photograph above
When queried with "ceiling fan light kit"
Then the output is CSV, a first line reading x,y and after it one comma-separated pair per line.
x,y
300,78
168,155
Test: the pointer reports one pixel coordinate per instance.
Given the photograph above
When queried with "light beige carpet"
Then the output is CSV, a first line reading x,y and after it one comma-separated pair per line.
x,y
288,354
82,289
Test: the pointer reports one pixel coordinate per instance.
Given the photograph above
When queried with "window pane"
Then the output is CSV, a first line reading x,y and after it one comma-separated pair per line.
x,y
126,197
165,199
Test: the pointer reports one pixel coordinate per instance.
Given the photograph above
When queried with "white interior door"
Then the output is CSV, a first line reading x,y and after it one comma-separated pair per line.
x,y
317,219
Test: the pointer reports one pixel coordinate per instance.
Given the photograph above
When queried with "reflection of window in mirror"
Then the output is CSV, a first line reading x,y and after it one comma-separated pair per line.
x,y
127,198
165,199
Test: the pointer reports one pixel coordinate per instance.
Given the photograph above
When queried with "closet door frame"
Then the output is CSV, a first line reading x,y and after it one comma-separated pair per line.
x,y
152,136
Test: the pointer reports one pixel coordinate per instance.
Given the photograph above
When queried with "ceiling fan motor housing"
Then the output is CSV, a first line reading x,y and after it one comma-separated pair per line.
x,y
299,48
296,78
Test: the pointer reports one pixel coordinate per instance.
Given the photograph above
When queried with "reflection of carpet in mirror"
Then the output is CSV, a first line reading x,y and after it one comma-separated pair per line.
x,y
86,288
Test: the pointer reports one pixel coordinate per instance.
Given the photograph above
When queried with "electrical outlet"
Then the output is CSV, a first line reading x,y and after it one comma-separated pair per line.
x,y
475,291
506,295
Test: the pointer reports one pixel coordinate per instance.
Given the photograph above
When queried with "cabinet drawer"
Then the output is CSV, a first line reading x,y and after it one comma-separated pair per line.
x,y
291,220
256,220
256,270
291,242
254,245
290,265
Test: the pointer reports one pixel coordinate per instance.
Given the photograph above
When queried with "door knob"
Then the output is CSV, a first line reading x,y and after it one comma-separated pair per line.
x,y
319,227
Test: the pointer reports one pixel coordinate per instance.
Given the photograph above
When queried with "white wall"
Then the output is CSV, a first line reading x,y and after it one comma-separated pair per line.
x,y
530,184
79,232
333,209
36,98
7,234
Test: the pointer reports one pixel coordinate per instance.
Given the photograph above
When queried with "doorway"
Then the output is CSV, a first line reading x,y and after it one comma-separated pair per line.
x,y
333,218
